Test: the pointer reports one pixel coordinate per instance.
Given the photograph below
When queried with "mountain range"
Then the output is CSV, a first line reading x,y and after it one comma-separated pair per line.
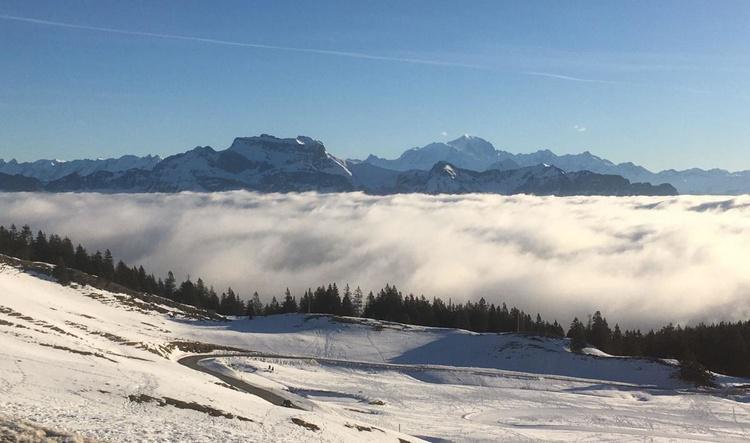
x,y
269,164
480,155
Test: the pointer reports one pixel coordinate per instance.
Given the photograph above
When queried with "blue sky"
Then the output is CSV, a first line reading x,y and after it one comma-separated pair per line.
x,y
664,84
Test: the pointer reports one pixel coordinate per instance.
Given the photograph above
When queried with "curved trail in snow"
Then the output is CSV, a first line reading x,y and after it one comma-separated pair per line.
x,y
269,395
193,362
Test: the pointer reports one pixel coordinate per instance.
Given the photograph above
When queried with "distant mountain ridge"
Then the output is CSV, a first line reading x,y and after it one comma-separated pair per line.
x,y
475,153
270,164
49,170
445,178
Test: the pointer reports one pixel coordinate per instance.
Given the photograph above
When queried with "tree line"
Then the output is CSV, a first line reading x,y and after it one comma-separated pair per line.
x,y
721,347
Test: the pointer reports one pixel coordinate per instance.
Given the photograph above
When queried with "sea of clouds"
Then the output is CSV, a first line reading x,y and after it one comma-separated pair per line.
x,y
642,261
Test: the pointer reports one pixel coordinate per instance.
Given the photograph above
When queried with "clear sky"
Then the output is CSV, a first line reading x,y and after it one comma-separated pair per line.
x,y
661,83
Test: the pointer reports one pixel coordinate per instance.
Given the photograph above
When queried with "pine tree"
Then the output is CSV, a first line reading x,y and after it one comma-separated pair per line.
x,y
257,305
616,344
273,308
250,311
108,266
170,283
347,306
41,248
359,302
577,335
289,305
599,334
61,272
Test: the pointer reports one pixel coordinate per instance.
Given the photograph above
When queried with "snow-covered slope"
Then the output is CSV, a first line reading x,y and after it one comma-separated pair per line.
x,y
453,385
104,365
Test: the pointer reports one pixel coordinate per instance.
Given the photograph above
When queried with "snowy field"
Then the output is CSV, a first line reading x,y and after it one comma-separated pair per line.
x,y
104,366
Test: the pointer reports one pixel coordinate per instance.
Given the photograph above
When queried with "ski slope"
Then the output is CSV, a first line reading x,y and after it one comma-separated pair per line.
x,y
104,366
70,358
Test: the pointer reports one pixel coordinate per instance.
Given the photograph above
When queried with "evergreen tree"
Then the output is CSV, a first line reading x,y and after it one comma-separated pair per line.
x,y
358,301
170,284
273,308
616,344
577,335
108,266
289,305
347,306
599,334
41,248
305,303
257,305
61,272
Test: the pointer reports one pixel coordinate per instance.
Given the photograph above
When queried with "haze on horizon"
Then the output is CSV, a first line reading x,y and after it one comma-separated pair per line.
x,y
664,85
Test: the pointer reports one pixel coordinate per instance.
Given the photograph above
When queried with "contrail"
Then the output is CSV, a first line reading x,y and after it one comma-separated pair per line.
x,y
570,78
328,52
358,55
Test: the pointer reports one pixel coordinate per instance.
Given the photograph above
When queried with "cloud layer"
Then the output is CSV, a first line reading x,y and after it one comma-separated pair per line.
x,y
642,261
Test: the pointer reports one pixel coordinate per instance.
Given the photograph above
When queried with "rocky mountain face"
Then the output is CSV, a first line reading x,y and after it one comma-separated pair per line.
x,y
270,164
264,163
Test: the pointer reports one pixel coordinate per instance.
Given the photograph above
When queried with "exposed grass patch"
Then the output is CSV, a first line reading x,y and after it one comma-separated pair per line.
x,y
228,386
306,425
107,335
362,428
362,411
167,401
160,350
12,313
196,347
142,302
77,351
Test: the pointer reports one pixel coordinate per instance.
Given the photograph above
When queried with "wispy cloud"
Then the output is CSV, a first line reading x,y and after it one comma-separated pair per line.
x,y
318,51
330,52
579,128
571,78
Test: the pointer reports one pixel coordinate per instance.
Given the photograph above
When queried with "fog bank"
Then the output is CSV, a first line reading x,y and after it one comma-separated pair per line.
x,y
641,260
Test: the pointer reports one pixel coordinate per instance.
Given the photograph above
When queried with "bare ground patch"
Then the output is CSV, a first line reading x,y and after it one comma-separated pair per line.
x,y
77,351
167,401
307,425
